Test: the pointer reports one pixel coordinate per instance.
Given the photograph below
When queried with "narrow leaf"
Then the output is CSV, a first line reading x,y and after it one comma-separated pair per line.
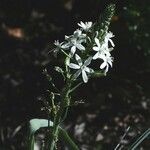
x,y
140,140
66,138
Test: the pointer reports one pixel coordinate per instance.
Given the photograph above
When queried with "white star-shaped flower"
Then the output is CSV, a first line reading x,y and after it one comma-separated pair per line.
x,y
59,46
85,26
101,49
107,62
81,67
108,39
75,41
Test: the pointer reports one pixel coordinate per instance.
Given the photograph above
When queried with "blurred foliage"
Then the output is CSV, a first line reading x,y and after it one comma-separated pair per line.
x,y
27,31
136,15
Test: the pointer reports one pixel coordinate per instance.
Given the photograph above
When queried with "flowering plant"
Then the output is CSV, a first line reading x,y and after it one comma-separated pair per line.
x,y
90,42
81,46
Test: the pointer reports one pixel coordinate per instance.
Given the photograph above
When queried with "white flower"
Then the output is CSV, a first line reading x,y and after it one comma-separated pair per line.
x,y
76,35
75,41
58,47
101,49
81,67
85,26
103,52
108,39
107,61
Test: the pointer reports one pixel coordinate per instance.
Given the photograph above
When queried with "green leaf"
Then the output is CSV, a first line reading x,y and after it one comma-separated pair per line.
x,y
36,124
140,140
75,87
31,142
66,138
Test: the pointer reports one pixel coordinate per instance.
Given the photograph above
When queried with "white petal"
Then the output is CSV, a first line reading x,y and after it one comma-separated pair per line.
x,y
74,66
78,59
66,37
97,42
81,24
56,42
77,74
110,34
112,43
96,34
84,76
90,24
106,70
89,70
96,56
102,56
107,53
110,49
85,26
103,65
77,33
65,46
80,47
87,61
73,50
89,39
67,61
105,45
82,40
96,48
110,61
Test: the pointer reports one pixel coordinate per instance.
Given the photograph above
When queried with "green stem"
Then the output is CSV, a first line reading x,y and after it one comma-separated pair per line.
x,y
66,138
31,142
65,53
65,100
75,87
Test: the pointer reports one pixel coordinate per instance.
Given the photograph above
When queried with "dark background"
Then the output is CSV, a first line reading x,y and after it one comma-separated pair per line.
x,y
121,99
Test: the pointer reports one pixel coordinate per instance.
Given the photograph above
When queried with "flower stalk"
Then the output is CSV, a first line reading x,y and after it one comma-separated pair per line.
x,y
65,102
92,41
79,50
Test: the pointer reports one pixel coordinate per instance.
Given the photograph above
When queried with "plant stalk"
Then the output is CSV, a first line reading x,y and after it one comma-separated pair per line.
x,y
65,100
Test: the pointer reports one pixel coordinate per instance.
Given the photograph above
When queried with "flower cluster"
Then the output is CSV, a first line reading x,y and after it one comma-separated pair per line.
x,y
85,46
